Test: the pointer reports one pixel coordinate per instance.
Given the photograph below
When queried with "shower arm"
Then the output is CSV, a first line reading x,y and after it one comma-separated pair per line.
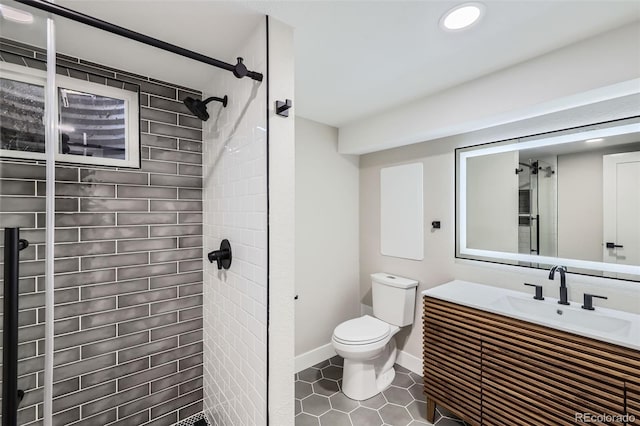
x,y
239,69
223,101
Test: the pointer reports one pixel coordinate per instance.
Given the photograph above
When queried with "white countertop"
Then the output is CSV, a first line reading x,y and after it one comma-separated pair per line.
x,y
608,325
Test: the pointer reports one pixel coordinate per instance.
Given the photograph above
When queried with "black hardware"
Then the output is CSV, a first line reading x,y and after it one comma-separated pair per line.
x,y
282,108
199,108
239,70
435,224
520,170
538,295
11,395
613,245
588,301
537,219
222,256
295,297
563,283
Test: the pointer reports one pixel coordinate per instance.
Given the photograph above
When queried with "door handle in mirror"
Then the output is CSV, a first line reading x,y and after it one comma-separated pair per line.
x,y
613,245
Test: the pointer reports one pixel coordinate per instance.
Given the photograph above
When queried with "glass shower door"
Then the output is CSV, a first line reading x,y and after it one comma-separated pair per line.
x,y
23,87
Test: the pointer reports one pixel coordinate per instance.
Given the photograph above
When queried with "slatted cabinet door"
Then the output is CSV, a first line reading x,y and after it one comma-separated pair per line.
x,y
452,365
528,387
633,401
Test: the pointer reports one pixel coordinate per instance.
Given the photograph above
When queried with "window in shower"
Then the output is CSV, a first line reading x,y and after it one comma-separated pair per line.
x,y
98,119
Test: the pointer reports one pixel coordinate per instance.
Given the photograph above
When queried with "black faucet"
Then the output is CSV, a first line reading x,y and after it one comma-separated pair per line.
x,y
563,282
588,301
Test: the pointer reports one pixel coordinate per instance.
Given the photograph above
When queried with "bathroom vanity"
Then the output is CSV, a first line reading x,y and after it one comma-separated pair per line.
x,y
498,357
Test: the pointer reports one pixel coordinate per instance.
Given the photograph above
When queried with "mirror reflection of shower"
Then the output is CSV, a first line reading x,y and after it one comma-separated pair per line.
x,y
537,206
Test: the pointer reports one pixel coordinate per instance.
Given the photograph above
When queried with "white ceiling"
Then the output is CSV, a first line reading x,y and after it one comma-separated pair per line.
x,y
353,58
212,28
360,57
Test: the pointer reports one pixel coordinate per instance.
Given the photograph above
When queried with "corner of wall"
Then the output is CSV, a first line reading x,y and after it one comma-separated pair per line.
x,y
281,226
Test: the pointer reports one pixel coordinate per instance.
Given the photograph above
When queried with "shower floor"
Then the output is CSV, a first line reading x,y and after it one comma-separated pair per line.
x,y
196,420
320,402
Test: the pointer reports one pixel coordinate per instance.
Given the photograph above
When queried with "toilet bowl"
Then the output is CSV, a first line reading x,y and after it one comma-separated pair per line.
x,y
369,351
367,344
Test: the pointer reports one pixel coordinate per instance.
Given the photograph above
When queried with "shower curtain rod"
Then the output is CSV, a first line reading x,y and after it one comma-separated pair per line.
x,y
239,69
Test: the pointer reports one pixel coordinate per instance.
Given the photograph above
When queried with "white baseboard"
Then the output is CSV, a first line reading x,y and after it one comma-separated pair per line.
x,y
409,362
314,356
321,353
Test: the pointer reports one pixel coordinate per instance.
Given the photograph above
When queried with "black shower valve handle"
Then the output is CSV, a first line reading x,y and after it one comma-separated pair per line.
x,y
223,256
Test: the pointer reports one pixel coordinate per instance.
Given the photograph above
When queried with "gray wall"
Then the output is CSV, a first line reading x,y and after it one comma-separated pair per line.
x,y
128,330
440,264
326,235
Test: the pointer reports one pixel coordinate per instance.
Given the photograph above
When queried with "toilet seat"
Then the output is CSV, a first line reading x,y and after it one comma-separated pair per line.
x,y
361,331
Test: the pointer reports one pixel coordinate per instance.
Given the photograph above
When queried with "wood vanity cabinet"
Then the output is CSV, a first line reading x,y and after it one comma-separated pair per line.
x,y
633,400
494,370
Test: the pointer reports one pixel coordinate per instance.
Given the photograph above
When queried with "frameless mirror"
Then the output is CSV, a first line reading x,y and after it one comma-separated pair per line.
x,y
570,197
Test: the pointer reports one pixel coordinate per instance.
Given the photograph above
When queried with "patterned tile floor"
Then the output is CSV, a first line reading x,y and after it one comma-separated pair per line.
x,y
320,402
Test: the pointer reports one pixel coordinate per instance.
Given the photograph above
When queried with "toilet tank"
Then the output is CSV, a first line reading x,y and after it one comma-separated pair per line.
x,y
394,298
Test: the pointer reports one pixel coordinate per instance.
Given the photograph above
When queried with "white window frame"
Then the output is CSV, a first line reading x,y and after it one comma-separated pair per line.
x,y
132,116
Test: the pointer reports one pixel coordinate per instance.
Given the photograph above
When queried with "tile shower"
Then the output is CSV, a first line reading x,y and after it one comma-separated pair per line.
x,y
235,207
128,284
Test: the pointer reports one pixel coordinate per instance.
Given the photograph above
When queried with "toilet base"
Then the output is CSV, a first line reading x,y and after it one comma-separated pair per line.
x,y
365,379
385,379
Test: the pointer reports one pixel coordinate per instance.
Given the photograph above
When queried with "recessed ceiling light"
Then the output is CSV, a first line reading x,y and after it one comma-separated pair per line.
x,y
15,15
462,16
594,140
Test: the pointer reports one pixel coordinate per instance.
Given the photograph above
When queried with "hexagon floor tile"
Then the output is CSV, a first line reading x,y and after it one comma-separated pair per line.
x,y
320,401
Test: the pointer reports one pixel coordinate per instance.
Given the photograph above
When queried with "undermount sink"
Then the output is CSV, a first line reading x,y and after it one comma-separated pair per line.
x,y
563,315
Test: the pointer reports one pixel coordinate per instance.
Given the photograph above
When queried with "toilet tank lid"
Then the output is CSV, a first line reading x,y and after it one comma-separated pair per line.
x,y
393,280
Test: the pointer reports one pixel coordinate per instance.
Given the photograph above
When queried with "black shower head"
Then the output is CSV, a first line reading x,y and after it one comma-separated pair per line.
x,y
199,108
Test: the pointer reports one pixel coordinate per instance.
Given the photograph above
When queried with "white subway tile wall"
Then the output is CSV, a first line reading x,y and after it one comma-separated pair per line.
x,y
128,330
235,207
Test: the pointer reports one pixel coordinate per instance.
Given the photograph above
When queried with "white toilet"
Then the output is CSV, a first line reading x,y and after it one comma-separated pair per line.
x,y
367,344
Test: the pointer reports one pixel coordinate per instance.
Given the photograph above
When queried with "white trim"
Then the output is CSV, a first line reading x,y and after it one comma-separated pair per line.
x,y
321,353
545,141
131,105
23,74
610,187
314,356
410,362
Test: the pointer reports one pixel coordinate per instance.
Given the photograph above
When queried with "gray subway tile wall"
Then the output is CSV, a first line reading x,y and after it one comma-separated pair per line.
x,y
128,329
